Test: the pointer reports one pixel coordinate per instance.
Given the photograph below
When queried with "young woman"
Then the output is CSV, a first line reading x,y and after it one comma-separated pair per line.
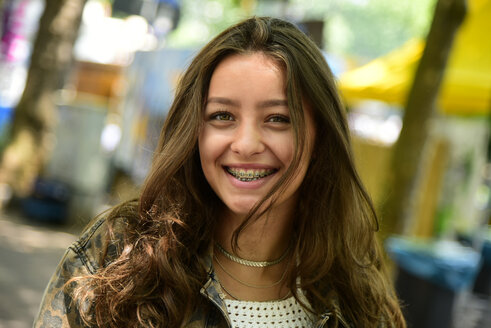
x,y
252,214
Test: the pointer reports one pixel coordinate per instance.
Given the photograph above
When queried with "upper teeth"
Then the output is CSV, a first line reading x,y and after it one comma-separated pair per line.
x,y
249,175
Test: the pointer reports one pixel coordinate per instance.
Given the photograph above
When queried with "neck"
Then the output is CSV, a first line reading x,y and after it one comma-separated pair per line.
x,y
265,239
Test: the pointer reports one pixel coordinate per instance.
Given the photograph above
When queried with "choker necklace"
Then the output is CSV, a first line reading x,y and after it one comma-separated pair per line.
x,y
248,284
256,264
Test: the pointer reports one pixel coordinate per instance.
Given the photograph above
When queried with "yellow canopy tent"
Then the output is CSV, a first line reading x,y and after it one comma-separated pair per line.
x,y
466,87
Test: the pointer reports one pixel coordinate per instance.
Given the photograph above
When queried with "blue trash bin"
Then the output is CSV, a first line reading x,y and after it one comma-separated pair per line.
x,y
48,202
6,114
430,274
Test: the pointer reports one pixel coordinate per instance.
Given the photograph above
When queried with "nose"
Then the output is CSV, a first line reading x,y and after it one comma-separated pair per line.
x,y
247,140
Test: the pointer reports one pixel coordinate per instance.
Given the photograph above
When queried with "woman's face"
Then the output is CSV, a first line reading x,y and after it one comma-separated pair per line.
x,y
247,142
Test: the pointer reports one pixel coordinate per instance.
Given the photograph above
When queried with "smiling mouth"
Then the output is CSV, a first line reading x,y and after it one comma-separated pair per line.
x,y
249,175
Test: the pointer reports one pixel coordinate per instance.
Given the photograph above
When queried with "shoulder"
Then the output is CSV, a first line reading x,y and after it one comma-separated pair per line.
x,y
98,245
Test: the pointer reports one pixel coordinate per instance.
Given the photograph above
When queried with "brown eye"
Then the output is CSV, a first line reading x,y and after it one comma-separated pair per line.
x,y
278,119
221,116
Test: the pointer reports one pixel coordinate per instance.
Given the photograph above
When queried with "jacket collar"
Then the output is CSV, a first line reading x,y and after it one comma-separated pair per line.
x,y
212,291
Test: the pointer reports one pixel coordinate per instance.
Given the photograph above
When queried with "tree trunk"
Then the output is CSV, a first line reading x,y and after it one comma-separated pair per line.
x,y
2,10
34,118
419,111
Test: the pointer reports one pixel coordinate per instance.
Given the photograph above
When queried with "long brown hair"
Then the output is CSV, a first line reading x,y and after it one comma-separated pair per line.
x,y
156,279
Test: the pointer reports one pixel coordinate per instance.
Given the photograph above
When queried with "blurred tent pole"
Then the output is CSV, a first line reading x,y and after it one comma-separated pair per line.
x,y
419,111
34,117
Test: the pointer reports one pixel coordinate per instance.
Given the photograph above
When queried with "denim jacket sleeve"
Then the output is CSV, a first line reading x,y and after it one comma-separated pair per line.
x,y
57,309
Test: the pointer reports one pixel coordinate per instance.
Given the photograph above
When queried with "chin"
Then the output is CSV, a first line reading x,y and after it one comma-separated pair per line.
x,y
244,208
240,209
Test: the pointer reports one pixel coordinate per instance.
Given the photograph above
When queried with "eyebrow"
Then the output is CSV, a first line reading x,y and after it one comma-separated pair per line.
x,y
273,103
262,104
222,101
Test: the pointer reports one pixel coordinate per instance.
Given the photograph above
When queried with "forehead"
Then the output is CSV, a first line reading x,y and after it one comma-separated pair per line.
x,y
256,63
258,57
248,78
260,66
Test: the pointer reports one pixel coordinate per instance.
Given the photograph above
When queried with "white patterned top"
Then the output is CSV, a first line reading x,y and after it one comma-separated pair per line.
x,y
286,313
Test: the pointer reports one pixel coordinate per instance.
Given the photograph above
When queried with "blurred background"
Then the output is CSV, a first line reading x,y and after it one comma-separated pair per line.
x,y
85,86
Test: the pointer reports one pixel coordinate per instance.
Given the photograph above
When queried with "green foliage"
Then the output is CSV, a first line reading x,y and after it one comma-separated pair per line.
x,y
203,19
363,29
368,29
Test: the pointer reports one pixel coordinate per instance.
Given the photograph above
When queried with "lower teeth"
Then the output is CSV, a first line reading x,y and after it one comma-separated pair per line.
x,y
248,179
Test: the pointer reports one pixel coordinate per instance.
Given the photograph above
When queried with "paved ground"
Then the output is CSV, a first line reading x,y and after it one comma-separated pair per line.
x,y
29,254
472,311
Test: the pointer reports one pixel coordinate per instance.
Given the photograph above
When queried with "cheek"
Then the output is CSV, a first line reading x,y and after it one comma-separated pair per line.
x,y
210,148
287,154
281,146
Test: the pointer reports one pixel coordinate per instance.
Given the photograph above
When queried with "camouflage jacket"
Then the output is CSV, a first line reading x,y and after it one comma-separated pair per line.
x,y
82,258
